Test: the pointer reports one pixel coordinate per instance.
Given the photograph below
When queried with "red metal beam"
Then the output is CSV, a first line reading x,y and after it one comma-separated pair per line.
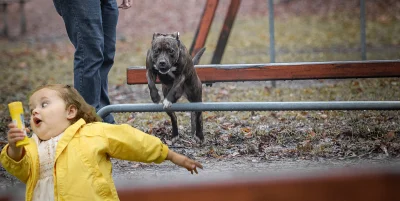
x,y
334,185
284,71
204,26
225,31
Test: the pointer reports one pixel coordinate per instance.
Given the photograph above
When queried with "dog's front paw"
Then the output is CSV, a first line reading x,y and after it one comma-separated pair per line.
x,y
155,98
198,140
167,104
174,139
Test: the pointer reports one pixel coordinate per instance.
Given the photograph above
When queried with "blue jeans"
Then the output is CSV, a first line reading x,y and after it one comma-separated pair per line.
x,y
91,27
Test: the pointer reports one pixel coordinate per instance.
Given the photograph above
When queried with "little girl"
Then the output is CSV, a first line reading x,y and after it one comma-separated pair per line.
x,y
68,157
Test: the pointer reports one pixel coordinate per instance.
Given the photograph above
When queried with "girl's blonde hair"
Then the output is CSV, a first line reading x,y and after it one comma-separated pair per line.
x,y
72,97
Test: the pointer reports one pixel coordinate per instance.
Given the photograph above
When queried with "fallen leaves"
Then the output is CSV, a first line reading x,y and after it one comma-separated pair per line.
x,y
390,136
225,137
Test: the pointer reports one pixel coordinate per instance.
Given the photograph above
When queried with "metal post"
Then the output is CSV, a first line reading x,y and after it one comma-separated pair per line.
x,y
23,18
271,35
271,31
5,26
362,30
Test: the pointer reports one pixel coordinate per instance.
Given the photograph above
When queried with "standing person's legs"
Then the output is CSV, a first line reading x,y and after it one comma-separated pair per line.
x,y
110,19
83,21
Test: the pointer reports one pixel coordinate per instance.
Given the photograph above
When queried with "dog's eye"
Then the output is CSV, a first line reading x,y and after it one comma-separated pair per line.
x,y
171,51
157,51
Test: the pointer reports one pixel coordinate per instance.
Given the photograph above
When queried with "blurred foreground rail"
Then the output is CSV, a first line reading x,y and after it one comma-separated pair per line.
x,y
354,185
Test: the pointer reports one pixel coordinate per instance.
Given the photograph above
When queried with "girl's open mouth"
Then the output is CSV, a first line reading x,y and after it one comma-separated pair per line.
x,y
37,121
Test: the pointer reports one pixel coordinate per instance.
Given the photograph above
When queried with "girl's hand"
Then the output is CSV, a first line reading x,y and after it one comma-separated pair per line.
x,y
184,161
125,4
13,136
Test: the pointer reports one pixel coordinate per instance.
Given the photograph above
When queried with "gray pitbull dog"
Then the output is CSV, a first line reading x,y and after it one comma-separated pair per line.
x,y
169,60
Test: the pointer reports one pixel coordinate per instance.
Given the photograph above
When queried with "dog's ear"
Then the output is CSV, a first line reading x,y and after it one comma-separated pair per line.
x,y
176,35
155,35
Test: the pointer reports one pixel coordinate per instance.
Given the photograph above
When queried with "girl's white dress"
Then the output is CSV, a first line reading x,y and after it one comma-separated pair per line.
x,y
44,189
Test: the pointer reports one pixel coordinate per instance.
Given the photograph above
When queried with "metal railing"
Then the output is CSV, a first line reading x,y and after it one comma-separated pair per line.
x,y
252,106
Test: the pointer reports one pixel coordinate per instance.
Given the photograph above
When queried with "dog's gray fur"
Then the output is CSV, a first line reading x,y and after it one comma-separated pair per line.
x,y
169,60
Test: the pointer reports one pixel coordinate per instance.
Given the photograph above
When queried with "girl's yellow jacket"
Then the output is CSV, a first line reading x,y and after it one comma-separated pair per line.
x,y
82,169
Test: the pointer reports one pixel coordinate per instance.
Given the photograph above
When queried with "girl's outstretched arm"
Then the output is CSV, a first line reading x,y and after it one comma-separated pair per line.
x,y
184,161
128,143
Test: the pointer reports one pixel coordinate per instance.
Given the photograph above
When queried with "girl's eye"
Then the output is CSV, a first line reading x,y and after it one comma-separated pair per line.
x,y
44,104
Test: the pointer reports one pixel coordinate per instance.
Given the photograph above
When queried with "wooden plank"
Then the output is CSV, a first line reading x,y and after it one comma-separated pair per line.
x,y
353,185
204,26
284,71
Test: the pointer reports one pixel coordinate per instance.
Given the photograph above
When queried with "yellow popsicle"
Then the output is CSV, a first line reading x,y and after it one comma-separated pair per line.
x,y
17,116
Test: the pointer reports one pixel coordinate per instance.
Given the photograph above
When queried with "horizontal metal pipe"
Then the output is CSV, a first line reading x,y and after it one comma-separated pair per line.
x,y
253,106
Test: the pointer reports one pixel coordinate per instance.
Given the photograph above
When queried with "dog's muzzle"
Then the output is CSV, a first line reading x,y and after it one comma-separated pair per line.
x,y
163,67
166,71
